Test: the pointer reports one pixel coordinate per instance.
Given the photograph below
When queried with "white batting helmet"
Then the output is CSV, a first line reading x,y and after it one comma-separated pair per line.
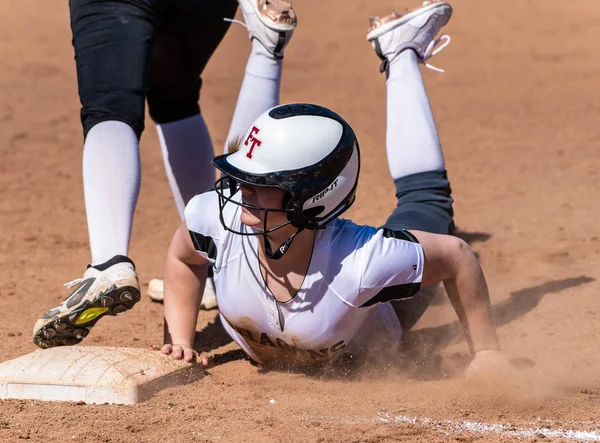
x,y
307,150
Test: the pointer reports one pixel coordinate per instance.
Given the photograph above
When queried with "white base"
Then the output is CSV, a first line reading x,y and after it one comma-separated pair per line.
x,y
93,374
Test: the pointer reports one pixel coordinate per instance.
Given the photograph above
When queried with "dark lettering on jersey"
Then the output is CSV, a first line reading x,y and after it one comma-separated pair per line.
x,y
282,345
338,347
323,353
295,351
291,350
265,340
324,192
244,333
204,244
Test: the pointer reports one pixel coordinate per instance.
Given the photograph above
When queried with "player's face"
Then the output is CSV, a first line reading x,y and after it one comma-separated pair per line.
x,y
270,198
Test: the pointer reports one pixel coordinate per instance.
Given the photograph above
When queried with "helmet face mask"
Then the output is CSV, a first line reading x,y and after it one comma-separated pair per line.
x,y
307,151
228,185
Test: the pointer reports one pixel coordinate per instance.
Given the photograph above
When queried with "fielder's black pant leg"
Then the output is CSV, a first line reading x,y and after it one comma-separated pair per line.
x,y
424,204
113,40
191,33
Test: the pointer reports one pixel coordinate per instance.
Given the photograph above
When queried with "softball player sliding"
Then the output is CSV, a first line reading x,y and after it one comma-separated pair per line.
x,y
297,284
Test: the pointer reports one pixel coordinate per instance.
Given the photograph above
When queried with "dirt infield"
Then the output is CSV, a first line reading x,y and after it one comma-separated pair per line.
x,y
519,117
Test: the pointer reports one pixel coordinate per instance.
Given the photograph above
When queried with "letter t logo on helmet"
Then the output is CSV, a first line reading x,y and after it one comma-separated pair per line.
x,y
254,142
306,150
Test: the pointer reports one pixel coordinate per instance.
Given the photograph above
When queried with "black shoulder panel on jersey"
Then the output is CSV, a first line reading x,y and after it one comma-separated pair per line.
x,y
400,235
204,244
397,292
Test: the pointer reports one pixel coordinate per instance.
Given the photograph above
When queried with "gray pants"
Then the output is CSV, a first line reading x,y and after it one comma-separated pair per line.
x,y
424,204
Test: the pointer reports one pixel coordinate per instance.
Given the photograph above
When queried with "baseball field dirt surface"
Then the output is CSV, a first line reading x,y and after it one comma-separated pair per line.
x,y
518,112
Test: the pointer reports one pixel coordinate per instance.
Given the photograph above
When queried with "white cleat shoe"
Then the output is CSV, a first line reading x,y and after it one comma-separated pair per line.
x,y
156,292
414,30
107,289
209,298
271,22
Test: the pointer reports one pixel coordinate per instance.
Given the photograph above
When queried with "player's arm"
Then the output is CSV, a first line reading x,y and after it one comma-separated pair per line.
x,y
185,277
451,260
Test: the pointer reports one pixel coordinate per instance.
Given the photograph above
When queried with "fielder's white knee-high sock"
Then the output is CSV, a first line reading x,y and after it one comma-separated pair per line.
x,y
111,184
187,150
412,140
259,92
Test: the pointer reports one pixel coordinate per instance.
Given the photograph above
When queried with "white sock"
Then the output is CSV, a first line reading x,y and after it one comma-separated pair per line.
x,y
412,140
259,92
111,185
187,150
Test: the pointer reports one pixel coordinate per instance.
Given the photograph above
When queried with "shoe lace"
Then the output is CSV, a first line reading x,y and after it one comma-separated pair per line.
x,y
432,50
73,283
278,53
231,20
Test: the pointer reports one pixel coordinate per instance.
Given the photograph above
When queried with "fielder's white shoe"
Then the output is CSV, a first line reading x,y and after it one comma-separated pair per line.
x,y
271,22
156,292
414,30
107,289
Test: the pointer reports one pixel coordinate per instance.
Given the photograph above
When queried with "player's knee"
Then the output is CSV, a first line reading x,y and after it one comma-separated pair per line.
x,y
410,187
421,217
123,106
424,203
166,105
430,188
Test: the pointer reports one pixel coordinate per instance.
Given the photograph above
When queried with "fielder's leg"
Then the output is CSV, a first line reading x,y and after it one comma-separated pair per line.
x,y
190,35
112,41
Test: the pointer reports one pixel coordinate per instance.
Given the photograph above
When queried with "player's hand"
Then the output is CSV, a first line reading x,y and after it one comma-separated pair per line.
x,y
490,366
182,352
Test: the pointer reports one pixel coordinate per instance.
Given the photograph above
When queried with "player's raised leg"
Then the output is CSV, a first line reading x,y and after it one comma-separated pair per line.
x,y
270,25
413,147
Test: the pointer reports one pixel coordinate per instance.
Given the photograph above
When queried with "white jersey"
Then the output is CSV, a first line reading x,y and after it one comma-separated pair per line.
x,y
343,301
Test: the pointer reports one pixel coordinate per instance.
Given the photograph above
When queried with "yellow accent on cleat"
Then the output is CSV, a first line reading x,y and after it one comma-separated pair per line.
x,y
90,314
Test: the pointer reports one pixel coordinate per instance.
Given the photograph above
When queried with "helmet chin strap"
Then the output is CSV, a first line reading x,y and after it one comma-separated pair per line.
x,y
282,249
